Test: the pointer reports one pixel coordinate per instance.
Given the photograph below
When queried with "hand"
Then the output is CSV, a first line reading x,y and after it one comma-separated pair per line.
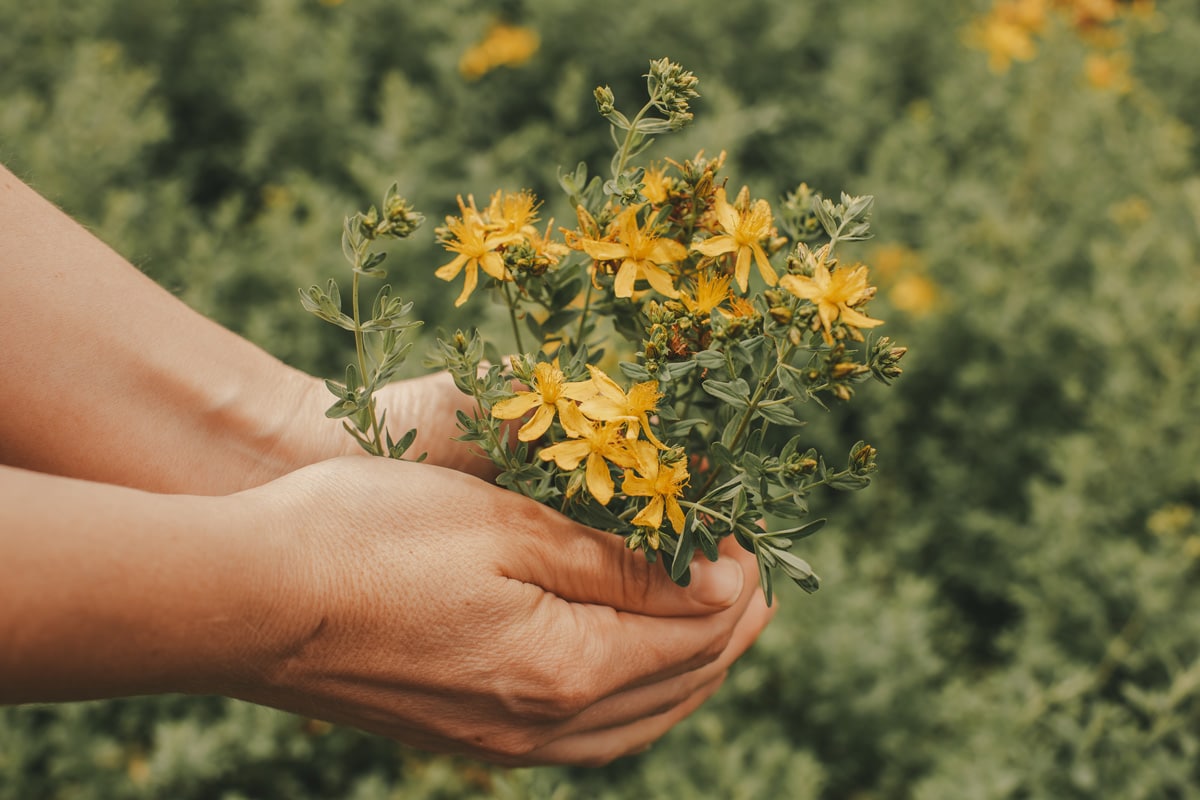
x,y
428,404
433,608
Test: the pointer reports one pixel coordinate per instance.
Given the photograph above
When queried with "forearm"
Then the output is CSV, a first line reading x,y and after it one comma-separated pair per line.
x,y
107,591
108,377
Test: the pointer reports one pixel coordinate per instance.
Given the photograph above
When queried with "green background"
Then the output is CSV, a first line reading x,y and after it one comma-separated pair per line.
x,y
1010,611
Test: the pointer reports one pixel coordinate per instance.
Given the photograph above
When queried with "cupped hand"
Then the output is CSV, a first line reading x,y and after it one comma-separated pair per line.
x,y
428,403
426,605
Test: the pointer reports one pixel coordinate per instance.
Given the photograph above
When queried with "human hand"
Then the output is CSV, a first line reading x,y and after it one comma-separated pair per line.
x,y
428,403
428,606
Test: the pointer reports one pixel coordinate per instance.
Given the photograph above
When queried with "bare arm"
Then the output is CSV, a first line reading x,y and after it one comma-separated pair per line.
x,y
108,377
412,601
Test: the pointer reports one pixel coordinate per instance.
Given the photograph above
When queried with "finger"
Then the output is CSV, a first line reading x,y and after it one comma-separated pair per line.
x,y
583,565
656,698
597,748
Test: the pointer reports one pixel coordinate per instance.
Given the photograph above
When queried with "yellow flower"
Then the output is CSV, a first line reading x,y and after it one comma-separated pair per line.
x,y
611,404
551,393
641,253
707,294
513,212
1109,72
744,234
740,307
502,46
599,444
662,483
914,294
835,295
1006,34
477,247
656,185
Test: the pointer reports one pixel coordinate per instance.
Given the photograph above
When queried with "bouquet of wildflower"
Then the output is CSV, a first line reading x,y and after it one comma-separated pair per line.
x,y
730,316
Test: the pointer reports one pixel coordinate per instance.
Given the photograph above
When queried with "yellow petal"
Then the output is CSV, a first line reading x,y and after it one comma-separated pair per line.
x,y
572,419
599,479
518,406
493,265
604,409
803,287
604,251
764,266
647,459
716,245
626,277
645,423
605,385
448,271
675,514
566,455
471,278
651,516
634,486
727,215
538,424
741,271
660,280
667,251
859,320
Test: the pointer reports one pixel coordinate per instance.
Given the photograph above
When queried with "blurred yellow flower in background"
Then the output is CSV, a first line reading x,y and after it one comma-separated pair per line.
x,y
502,46
1108,72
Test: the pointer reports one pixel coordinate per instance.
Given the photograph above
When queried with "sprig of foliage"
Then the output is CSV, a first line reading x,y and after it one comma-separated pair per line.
x,y
378,342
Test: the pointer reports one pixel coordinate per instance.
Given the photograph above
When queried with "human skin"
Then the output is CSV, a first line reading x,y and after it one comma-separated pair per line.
x,y
110,378
178,516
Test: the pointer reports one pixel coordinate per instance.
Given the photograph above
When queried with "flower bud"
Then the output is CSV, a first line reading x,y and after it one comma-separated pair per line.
x,y
605,100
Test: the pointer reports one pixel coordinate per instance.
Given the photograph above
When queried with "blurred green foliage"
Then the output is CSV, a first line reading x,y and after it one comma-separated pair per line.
x,y
1009,612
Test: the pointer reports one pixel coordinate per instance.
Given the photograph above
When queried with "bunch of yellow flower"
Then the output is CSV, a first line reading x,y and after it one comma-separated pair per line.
x,y
724,316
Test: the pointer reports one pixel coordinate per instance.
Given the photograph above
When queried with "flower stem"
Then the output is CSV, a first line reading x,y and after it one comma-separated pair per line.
x,y
512,315
587,301
360,350
763,384
629,134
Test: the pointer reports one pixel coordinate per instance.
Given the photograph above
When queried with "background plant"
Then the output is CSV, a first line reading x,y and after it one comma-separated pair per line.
x,y
1008,611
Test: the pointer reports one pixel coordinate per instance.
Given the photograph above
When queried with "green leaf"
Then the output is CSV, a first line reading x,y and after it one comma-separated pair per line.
x,y
735,392
710,359
677,369
798,570
635,372
800,532
683,552
779,414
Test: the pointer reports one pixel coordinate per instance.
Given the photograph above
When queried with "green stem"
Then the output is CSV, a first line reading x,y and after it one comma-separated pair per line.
x,y
748,414
512,315
587,301
629,134
360,349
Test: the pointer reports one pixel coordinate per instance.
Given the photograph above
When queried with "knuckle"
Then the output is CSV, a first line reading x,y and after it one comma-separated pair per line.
x,y
715,647
512,745
551,693
637,579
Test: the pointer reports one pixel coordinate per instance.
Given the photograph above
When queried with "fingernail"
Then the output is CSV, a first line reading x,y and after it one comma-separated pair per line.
x,y
717,583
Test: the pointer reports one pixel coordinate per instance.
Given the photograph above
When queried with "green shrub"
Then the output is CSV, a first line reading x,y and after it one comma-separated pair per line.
x,y
1007,613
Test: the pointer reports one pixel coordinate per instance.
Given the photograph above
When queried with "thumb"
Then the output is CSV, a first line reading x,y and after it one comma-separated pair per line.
x,y
584,565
